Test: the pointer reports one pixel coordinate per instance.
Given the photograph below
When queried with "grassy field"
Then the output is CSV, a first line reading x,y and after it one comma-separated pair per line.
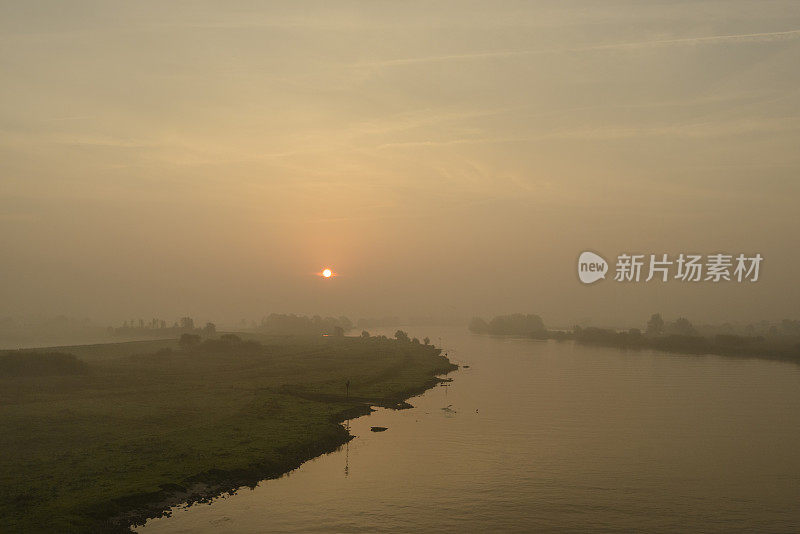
x,y
146,423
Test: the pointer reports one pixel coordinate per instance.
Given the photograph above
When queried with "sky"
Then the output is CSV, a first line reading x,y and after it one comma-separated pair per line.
x,y
450,159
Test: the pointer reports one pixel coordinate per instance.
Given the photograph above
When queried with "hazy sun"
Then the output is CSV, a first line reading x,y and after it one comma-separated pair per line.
x,y
327,273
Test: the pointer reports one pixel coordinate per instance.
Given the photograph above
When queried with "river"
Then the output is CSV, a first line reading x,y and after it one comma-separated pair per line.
x,y
550,436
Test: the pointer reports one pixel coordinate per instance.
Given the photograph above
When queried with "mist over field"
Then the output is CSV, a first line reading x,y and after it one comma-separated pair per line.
x,y
446,160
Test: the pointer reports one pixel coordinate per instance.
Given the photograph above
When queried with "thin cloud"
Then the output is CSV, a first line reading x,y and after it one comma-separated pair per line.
x,y
686,130
766,37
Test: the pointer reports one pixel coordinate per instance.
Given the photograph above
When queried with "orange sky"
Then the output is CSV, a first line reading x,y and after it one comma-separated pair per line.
x,y
447,158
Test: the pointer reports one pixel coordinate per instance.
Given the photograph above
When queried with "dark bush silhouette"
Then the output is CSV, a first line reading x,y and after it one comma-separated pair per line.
x,y
730,340
655,326
189,340
603,336
302,325
518,324
158,328
682,327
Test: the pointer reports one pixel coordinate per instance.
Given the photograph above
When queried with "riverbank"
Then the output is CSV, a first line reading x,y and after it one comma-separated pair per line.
x,y
150,426
766,341
720,345
781,349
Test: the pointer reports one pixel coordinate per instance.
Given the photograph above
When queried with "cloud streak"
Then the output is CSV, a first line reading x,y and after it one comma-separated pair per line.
x,y
767,37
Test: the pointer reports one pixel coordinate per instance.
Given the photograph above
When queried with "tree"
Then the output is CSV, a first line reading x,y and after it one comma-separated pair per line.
x,y
187,323
478,326
210,329
301,325
683,327
364,334
427,340
655,326
518,324
401,336
189,340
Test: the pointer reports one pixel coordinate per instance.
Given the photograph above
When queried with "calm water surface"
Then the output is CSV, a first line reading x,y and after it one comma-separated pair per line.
x,y
539,436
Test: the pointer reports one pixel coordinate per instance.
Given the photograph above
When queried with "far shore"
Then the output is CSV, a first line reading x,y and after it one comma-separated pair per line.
x,y
733,346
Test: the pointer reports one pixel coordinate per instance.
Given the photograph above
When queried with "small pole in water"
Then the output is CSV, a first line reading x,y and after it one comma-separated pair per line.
x,y
347,388
347,451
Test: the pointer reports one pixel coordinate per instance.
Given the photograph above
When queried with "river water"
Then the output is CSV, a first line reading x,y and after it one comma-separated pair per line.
x,y
548,436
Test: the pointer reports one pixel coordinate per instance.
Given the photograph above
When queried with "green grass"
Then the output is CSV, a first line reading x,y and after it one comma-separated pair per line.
x,y
138,426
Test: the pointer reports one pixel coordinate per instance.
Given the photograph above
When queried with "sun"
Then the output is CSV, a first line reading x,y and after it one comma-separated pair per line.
x,y
327,273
